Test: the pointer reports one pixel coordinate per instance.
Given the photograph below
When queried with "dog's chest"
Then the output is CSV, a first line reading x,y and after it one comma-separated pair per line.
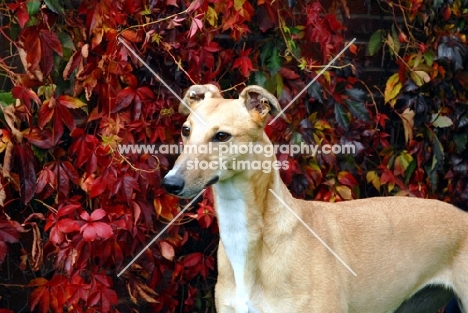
x,y
232,219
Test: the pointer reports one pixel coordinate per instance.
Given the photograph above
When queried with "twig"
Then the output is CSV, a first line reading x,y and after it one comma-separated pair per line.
x,y
53,210
179,66
160,20
124,159
234,87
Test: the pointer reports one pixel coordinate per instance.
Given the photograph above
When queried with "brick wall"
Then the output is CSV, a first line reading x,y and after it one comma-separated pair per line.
x,y
365,17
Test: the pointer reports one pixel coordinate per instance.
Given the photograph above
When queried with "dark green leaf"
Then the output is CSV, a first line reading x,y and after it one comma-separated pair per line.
x,y
463,121
356,94
270,58
429,56
375,42
438,156
33,7
6,99
461,24
438,3
409,170
265,52
460,141
66,41
315,91
396,40
341,116
259,78
358,109
55,6
274,61
433,178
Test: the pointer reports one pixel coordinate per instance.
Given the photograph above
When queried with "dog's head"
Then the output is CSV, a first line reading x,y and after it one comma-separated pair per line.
x,y
213,125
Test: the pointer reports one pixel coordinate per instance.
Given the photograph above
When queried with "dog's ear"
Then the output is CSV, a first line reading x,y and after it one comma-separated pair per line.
x,y
257,99
197,93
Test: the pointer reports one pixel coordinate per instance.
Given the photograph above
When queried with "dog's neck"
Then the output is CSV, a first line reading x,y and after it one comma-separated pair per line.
x,y
248,212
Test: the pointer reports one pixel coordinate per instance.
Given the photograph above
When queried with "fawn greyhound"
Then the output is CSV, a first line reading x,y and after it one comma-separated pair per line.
x,y
269,262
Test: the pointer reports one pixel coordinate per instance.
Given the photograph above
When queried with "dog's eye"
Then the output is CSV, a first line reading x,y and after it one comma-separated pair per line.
x,y
221,136
185,131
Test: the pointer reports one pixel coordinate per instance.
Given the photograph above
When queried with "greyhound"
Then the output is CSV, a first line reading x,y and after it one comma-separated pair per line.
x,y
367,256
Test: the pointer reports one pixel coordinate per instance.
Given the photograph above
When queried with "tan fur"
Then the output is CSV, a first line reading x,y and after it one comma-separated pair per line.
x,y
396,245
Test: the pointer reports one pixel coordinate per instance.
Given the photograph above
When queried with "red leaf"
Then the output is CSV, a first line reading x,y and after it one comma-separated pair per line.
x,y
32,46
43,139
49,295
46,112
40,295
346,178
144,207
26,95
22,14
106,296
68,209
97,187
82,146
70,102
85,216
267,17
129,184
192,259
3,251
145,93
131,35
27,173
93,230
10,231
244,63
212,47
124,98
166,206
67,225
71,172
56,236
196,25
73,62
77,292
49,43
52,40
194,5
288,73
62,117
98,214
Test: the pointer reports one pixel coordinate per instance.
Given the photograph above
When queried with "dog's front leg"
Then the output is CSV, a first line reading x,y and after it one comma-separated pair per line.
x,y
227,300
230,298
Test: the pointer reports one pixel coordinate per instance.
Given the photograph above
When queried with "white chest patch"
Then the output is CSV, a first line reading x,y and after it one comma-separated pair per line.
x,y
232,220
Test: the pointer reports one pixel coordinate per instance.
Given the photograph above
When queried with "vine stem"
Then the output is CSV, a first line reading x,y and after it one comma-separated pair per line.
x,y
310,67
179,66
160,20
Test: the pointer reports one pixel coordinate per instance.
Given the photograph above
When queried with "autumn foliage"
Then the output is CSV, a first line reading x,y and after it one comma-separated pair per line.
x,y
74,210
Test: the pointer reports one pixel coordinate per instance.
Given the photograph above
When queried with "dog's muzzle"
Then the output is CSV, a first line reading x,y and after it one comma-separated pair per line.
x,y
173,184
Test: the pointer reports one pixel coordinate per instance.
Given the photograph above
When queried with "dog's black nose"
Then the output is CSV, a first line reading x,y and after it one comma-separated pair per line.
x,y
173,184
